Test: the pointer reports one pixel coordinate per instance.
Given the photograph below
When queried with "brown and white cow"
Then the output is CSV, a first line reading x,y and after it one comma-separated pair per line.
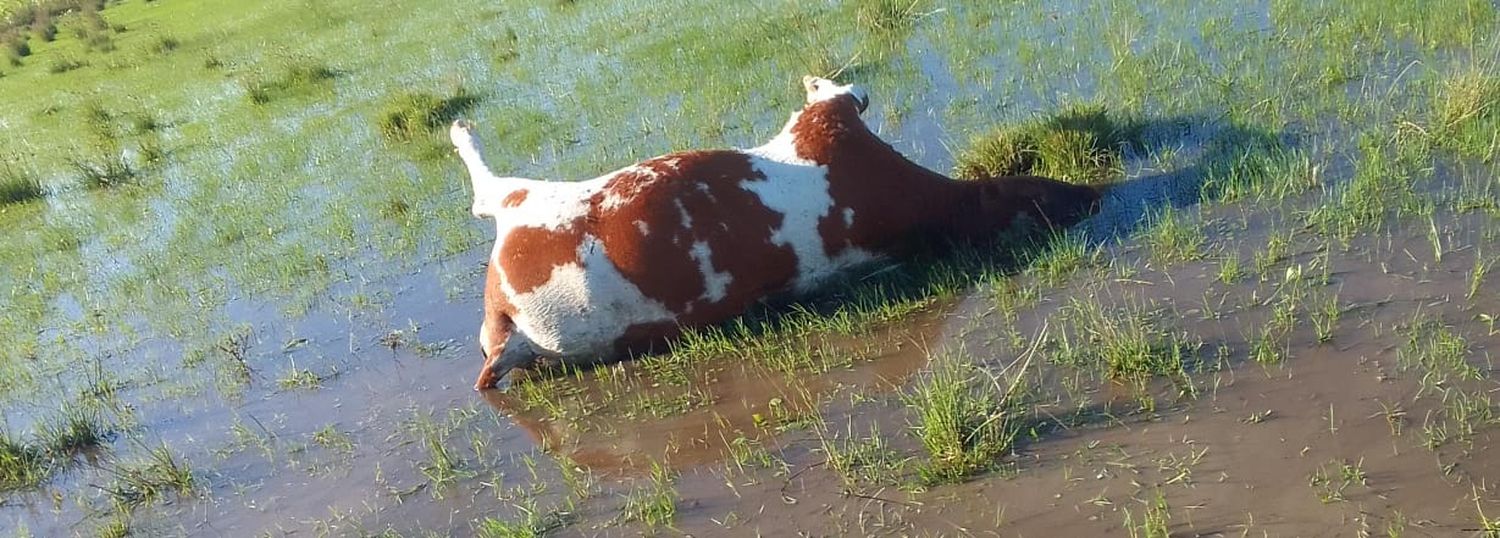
x,y
589,270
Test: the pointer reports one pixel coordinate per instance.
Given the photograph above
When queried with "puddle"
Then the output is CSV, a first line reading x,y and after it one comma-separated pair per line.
x,y
743,400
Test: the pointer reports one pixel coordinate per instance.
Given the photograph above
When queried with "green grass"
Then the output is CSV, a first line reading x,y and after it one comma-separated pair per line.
x,y
18,184
533,524
1128,344
654,506
21,464
79,427
1467,113
294,77
1154,521
1175,237
966,420
158,474
411,115
860,460
1078,143
260,109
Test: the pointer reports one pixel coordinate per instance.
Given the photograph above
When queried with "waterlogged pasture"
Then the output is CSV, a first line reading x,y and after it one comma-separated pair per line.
x,y
240,281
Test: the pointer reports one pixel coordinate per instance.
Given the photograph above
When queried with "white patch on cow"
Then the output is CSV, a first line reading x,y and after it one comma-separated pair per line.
x,y
715,284
584,306
643,227
687,220
552,205
849,217
800,194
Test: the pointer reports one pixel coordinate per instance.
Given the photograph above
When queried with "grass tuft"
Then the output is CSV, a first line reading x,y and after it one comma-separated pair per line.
x,y
1080,144
151,479
655,506
965,419
17,184
80,427
1467,110
408,116
295,77
887,16
21,465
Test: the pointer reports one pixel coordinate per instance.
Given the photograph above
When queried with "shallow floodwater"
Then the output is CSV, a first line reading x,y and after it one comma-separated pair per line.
x,y
393,355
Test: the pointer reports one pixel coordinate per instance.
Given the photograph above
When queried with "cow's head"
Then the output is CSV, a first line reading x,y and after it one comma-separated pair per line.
x,y
822,89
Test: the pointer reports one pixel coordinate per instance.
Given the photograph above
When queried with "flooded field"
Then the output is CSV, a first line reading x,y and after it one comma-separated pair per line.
x,y
240,284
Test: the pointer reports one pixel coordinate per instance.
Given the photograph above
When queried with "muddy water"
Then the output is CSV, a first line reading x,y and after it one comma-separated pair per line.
x,y
1239,459
745,400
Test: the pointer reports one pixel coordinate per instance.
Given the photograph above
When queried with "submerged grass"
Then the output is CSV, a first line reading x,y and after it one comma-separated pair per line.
x,y
160,473
656,505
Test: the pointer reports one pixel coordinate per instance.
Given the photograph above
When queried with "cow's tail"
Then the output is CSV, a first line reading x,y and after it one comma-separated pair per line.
x,y
489,189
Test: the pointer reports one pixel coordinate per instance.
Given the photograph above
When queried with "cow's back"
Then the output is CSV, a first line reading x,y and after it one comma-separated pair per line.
x,y
682,240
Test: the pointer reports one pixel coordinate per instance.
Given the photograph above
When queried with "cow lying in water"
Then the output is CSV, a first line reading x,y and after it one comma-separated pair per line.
x,y
591,270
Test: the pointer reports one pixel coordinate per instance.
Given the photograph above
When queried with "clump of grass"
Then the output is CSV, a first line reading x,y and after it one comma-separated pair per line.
x,y
1175,238
1080,143
18,184
533,524
411,115
1467,110
1436,348
21,464
104,170
294,77
160,473
1383,185
117,527
1062,256
63,65
16,48
80,427
1331,481
442,466
1127,344
165,45
656,505
860,460
1230,268
965,419
1248,163
887,16
299,378
1153,523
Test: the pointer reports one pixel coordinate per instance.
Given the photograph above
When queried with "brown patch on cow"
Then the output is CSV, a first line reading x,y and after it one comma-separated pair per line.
x,y
731,221
529,254
646,338
515,198
892,198
896,201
